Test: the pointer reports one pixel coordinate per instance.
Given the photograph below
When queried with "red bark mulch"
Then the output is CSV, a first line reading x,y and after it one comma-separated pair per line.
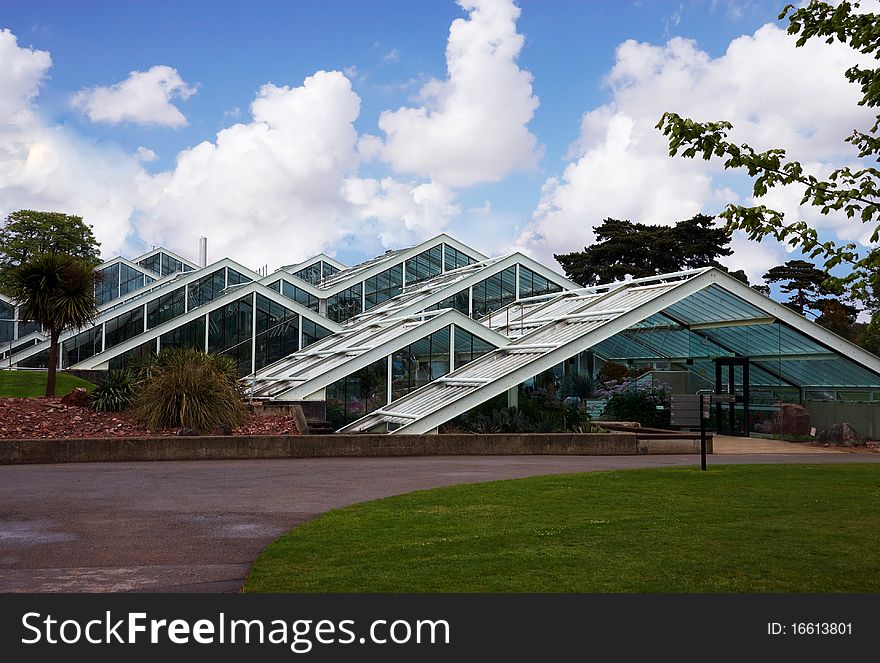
x,y
22,418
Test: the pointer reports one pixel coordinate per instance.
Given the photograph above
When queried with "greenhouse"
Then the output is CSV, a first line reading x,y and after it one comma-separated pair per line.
x,y
700,330
412,340
160,300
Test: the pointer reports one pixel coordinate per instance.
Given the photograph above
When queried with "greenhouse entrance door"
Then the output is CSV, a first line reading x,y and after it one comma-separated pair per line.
x,y
732,377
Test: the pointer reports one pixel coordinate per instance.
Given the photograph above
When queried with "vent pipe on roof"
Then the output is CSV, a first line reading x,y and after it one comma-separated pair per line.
x,y
203,251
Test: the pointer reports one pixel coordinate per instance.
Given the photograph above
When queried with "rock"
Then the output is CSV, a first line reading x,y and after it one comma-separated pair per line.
x,y
187,432
78,397
842,435
792,419
765,426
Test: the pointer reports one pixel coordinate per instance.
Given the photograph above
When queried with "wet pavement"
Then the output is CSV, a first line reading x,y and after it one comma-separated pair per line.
x,y
196,526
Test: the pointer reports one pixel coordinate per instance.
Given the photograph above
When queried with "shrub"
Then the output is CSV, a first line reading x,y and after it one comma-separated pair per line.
x,y
185,388
116,392
629,401
506,420
612,371
577,385
547,422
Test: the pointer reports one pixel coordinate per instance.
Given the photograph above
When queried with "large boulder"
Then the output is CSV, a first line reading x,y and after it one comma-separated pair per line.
x,y
842,435
79,397
792,419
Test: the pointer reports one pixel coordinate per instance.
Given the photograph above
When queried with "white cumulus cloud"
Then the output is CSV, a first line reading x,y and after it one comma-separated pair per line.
x,y
143,98
51,168
471,127
21,72
275,188
403,213
776,95
145,154
267,189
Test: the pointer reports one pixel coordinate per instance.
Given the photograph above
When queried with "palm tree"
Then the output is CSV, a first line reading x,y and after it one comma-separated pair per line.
x,y
58,292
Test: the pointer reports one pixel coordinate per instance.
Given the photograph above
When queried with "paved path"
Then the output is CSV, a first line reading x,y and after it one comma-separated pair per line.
x,y
729,444
197,526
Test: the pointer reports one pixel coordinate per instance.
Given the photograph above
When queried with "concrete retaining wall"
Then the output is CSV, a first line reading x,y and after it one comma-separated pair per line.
x,y
14,452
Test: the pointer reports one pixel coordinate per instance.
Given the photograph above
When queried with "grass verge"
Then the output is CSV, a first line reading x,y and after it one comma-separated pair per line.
x,y
749,528
28,384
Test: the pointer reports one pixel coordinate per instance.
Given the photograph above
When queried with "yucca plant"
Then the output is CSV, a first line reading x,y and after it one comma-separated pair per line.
x,y
116,392
186,388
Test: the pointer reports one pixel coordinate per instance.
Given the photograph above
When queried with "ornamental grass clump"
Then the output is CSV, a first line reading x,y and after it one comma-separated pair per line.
x,y
115,393
185,388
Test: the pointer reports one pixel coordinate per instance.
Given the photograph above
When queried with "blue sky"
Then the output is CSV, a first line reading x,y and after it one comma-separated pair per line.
x,y
544,200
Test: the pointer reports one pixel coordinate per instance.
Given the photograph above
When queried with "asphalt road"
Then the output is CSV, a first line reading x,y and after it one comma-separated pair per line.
x,y
197,526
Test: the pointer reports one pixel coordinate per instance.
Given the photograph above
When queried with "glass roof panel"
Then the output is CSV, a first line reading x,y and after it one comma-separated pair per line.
x,y
765,340
714,304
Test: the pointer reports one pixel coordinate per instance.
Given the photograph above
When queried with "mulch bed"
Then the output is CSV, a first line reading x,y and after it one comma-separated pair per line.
x,y
49,418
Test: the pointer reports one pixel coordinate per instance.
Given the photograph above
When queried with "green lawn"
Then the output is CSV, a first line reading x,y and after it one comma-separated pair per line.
x,y
764,528
27,384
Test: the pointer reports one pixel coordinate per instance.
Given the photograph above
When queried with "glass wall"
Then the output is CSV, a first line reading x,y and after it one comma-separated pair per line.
x,y
345,304
469,347
164,308
116,280
358,394
316,273
26,327
162,264
453,258
420,362
460,301
130,279
206,288
107,288
383,286
312,332
153,263
126,358
234,278
299,295
190,335
425,265
532,284
229,332
311,274
277,332
171,265
82,346
38,360
494,293
7,321
123,327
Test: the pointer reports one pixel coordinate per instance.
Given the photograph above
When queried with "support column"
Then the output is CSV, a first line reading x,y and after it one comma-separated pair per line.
x,y
388,381
254,334
513,397
451,348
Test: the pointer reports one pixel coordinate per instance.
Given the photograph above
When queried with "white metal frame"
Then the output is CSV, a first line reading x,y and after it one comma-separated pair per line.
x,y
160,249
545,356
364,356
100,360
